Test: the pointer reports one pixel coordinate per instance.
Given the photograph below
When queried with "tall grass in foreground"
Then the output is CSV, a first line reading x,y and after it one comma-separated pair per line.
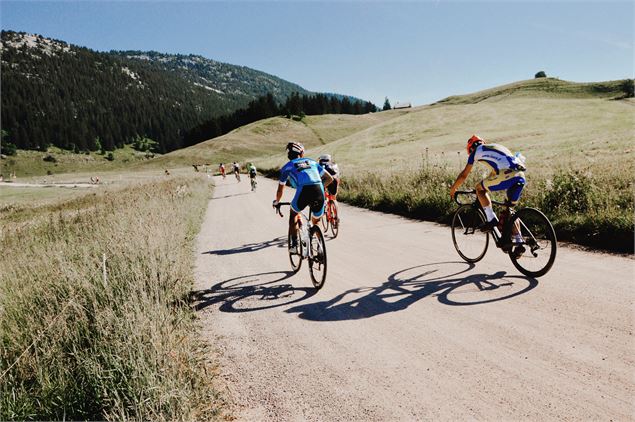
x,y
74,345
585,208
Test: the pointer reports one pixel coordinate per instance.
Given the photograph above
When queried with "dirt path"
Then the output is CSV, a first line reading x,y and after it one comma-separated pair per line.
x,y
405,330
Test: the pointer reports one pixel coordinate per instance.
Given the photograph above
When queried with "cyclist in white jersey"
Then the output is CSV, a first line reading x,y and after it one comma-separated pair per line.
x,y
507,173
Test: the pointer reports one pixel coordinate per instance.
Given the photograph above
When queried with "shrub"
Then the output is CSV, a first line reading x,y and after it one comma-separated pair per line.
x,y
9,149
110,157
570,193
628,87
540,74
49,158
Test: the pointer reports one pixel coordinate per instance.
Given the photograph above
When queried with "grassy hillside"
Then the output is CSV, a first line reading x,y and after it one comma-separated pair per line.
x,y
28,164
578,143
269,136
551,131
545,87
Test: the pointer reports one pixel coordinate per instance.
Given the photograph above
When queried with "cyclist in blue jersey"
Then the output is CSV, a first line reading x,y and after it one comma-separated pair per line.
x,y
309,180
507,173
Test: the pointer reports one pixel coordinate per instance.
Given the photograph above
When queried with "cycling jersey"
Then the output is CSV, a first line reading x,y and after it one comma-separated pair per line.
x,y
507,170
497,157
252,171
300,172
334,171
303,172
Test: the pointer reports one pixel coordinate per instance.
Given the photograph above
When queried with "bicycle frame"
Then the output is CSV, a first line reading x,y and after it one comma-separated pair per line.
x,y
303,223
502,239
328,209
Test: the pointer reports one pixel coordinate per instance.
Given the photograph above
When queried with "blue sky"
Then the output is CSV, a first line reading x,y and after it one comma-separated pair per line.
x,y
408,51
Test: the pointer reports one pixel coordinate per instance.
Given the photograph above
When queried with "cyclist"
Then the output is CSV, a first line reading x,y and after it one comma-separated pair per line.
x,y
507,173
307,177
221,168
333,170
236,170
251,169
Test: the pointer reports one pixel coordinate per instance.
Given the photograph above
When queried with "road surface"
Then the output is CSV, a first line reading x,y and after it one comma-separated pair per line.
x,y
403,329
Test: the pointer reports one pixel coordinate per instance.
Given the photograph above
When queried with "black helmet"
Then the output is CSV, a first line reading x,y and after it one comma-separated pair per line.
x,y
295,149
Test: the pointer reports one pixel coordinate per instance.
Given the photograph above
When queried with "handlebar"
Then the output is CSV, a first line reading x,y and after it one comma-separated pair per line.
x,y
277,207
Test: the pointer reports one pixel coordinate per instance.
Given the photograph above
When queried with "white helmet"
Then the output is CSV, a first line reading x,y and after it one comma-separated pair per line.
x,y
325,158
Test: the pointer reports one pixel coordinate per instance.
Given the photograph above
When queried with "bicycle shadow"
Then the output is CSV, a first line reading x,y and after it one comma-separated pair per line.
x,y
405,287
280,242
253,292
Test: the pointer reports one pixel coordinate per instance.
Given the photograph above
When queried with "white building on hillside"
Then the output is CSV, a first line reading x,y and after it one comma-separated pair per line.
x,y
402,105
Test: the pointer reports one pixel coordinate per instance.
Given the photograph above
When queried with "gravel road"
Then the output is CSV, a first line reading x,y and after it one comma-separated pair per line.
x,y
403,329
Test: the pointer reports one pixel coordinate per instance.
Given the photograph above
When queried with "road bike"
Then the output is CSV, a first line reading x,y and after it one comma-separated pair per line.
x,y
237,174
330,218
310,245
534,256
253,183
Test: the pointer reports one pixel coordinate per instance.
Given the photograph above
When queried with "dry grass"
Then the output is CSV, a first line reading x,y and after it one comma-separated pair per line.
x,y
28,164
119,348
593,210
269,137
575,133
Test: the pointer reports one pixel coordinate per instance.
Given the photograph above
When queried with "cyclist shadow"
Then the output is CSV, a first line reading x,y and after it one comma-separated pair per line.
x,y
230,196
253,292
280,242
410,285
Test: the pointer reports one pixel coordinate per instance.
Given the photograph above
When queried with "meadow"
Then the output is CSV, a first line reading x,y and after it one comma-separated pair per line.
x,y
94,314
578,140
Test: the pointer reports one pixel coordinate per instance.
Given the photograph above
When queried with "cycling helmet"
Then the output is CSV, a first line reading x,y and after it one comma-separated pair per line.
x,y
295,149
473,142
325,158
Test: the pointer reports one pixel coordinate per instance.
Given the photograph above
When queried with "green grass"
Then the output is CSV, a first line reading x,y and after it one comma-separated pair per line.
x,y
546,87
73,346
27,164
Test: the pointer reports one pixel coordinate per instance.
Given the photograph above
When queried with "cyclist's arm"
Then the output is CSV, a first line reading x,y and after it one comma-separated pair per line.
x,y
279,192
327,179
460,179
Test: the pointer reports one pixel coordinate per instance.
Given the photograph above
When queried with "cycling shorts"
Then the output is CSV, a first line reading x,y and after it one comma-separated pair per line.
x,y
332,188
311,196
510,180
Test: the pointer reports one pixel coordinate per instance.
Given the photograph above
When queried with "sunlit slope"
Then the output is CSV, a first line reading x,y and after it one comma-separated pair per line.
x,y
551,131
269,136
544,88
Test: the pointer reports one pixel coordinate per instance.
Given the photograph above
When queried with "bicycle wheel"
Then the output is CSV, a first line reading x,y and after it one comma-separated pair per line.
x,y
539,243
317,257
325,219
295,257
469,241
335,221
